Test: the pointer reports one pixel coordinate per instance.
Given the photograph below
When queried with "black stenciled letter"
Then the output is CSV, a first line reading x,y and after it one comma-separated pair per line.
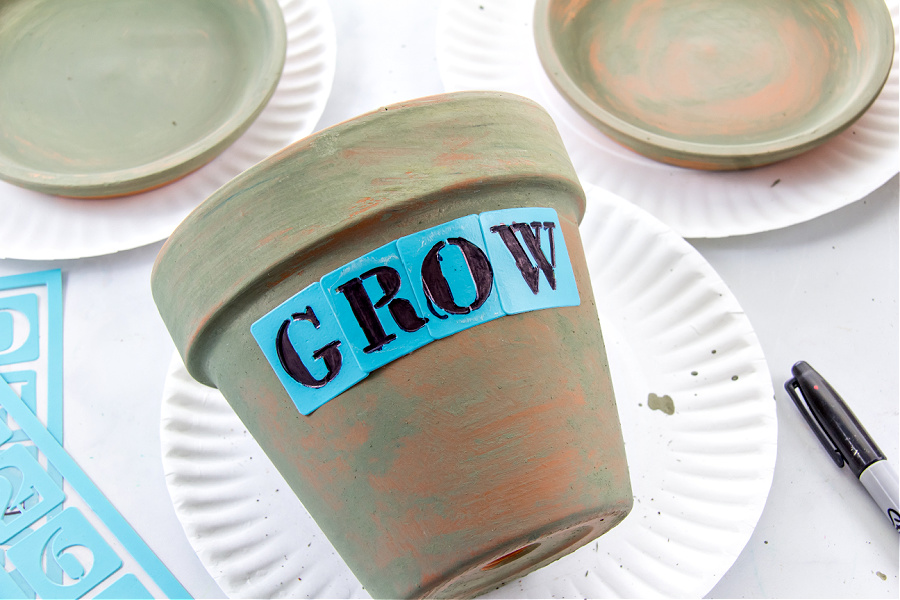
x,y
437,288
531,235
401,310
291,361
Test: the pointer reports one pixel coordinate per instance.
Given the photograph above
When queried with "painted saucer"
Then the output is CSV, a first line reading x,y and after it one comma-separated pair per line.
x,y
102,98
717,85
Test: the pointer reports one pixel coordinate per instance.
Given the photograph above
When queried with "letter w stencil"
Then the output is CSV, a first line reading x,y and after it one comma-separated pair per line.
x,y
526,245
531,235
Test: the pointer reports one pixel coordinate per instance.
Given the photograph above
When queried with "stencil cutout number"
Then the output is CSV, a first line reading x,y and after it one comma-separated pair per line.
x,y
27,492
71,542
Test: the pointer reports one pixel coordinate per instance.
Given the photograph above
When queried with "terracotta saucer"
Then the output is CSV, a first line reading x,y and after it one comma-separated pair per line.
x,y
717,84
105,98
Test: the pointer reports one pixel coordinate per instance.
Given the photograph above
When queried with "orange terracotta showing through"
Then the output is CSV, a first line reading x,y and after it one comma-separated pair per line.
x,y
508,558
691,73
722,83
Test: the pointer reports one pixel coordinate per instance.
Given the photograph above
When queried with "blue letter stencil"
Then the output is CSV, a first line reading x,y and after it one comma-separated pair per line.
x,y
408,293
373,300
530,257
456,282
304,343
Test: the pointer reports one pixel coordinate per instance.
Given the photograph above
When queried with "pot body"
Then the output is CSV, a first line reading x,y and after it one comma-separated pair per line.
x,y
476,457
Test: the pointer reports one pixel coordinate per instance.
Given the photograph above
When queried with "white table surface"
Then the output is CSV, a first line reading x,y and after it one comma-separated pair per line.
x,y
825,291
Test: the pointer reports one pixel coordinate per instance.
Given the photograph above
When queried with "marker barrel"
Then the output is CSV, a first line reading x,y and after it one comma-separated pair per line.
x,y
880,480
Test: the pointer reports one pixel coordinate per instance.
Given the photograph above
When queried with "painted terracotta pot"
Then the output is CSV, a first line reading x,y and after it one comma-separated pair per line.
x,y
443,462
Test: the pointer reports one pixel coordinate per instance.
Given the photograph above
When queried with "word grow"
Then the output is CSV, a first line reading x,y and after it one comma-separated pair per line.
x,y
410,292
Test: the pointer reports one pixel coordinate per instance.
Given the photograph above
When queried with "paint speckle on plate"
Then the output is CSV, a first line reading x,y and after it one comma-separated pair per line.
x,y
663,403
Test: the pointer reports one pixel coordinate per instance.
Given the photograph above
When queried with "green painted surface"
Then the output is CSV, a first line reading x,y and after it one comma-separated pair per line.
x,y
105,97
469,448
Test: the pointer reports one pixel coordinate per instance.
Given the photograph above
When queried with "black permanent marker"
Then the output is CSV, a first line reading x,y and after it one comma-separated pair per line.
x,y
844,437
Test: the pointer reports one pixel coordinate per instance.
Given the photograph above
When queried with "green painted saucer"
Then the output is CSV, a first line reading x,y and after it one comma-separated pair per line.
x,y
105,98
717,84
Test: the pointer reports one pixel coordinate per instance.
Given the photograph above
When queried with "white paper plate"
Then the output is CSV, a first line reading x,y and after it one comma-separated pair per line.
x,y
40,226
700,476
490,45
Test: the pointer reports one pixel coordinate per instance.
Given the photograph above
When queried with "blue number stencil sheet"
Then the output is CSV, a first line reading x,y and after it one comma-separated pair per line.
x,y
31,352
31,343
59,536
86,549
410,292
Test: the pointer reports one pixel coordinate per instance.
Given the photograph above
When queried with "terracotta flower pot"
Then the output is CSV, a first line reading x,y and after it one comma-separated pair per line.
x,y
461,427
